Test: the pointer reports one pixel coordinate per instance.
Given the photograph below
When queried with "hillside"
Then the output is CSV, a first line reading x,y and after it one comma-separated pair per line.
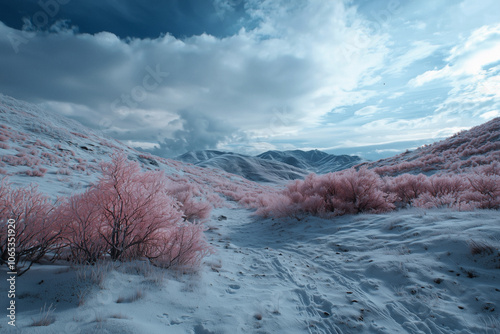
x,y
62,156
251,168
459,153
313,161
271,166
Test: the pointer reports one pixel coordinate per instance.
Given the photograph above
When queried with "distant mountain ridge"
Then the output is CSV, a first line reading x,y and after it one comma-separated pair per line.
x,y
271,166
315,161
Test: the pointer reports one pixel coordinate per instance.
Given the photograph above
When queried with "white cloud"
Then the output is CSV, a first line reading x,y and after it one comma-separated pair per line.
x,y
366,111
418,50
469,58
490,114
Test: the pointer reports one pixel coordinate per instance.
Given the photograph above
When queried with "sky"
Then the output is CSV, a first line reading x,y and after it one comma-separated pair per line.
x,y
365,77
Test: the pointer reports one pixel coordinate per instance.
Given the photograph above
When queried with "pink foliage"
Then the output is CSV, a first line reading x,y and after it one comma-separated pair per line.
x,y
79,135
79,167
51,158
4,146
80,228
346,192
461,152
39,172
446,185
407,187
36,227
351,192
39,143
21,159
182,245
194,209
485,190
63,171
133,215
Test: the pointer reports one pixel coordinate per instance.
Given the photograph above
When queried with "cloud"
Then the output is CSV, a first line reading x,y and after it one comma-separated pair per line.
x,y
366,111
418,50
308,57
197,133
472,71
470,58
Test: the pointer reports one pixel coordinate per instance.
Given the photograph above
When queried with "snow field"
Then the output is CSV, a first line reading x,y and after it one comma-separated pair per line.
x,y
411,271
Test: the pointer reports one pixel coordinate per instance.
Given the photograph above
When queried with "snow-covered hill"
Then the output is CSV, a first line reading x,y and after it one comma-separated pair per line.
x,y
62,156
272,166
466,149
313,161
251,168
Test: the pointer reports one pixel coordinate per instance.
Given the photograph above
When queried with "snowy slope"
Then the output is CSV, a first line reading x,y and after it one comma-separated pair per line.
x,y
477,146
195,157
62,156
403,272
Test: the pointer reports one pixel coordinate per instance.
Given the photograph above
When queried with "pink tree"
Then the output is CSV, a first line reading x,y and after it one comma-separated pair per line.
x,y
79,223
36,229
133,205
129,213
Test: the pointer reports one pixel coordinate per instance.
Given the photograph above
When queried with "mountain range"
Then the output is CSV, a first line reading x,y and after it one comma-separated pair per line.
x,y
271,166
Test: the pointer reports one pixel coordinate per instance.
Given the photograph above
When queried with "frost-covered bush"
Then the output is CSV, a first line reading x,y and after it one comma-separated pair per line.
x,y
352,192
129,213
346,192
406,187
37,228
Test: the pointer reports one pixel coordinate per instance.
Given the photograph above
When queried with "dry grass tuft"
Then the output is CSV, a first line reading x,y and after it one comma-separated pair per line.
x,y
130,299
46,317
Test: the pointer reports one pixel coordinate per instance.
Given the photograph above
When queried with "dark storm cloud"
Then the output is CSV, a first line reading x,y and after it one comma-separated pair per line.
x,y
197,133
131,18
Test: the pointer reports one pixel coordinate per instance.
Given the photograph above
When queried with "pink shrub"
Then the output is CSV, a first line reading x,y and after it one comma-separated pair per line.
x,y
34,152
79,167
485,191
36,229
39,143
80,229
407,187
182,245
359,191
215,200
346,192
194,209
21,159
4,146
50,157
446,185
40,172
133,216
79,135
63,171
4,138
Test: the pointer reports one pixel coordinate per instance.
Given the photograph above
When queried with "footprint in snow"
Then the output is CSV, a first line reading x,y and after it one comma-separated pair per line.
x,y
232,288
